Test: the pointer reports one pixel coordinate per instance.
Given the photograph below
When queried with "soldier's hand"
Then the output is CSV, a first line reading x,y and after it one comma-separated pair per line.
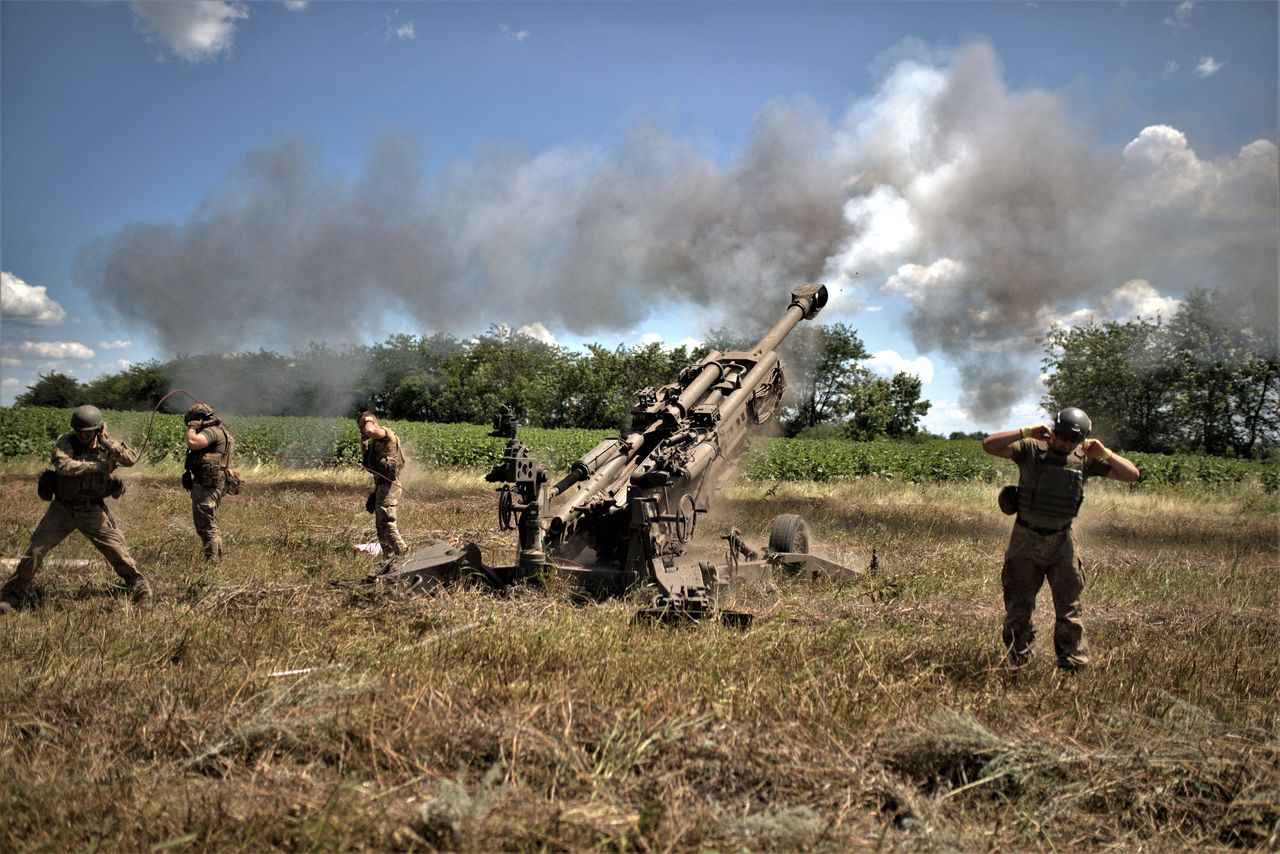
x,y
195,425
1095,448
1041,432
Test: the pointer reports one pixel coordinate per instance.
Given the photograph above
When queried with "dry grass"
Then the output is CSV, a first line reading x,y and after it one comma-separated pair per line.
x,y
258,706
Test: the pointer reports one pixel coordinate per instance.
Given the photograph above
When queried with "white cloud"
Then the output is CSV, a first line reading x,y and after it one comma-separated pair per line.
x,y
884,229
192,30
406,31
29,304
1180,17
10,382
511,34
651,338
8,362
1208,66
1170,69
539,331
114,345
56,350
295,5
918,283
1137,298
886,363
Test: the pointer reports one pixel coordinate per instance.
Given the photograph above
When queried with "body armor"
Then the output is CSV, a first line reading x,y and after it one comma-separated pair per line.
x,y
1055,486
208,465
383,456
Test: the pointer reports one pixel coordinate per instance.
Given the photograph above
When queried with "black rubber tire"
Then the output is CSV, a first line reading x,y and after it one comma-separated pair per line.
x,y
789,533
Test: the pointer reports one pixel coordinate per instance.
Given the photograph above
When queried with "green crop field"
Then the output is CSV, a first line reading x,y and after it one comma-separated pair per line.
x,y
327,442
267,703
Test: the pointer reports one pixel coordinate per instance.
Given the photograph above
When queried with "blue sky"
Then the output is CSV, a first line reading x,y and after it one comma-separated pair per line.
x,y
188,177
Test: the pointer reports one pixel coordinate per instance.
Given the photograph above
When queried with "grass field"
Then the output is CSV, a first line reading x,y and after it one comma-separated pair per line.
x,y
260,707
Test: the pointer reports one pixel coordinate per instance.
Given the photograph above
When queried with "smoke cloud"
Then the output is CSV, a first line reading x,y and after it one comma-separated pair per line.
x,y
988,209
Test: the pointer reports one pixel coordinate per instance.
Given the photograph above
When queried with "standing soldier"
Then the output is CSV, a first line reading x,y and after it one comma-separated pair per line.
x,y
381,456
83,462
207,471
1053,463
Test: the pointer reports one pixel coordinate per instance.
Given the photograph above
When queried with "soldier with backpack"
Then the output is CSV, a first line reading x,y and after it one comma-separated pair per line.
x,y
208,474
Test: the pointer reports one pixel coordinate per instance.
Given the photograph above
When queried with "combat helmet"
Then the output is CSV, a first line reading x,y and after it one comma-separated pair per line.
x,y
199,412
1072,424
87,417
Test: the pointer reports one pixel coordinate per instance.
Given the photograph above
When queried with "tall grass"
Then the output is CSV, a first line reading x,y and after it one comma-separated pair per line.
x,y
260,707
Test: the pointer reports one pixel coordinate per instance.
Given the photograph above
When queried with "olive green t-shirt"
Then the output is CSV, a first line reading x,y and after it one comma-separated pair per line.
x,y
1030,455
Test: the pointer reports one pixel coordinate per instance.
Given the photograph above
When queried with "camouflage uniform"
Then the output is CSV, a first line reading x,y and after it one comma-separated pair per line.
x,y
1043,546
83,482
384,459
208,484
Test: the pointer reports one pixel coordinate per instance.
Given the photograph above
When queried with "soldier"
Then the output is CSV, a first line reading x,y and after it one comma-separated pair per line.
x,y
83,461
381,456
1054,463
209,445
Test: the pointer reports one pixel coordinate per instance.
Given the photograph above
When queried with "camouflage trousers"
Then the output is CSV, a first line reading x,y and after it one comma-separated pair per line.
x,y
386,505
204,513
1030,560
60,520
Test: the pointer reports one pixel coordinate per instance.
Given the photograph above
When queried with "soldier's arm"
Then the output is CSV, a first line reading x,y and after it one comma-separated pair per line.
x,y
1001,444
1122,469
120,453
65,463
196,439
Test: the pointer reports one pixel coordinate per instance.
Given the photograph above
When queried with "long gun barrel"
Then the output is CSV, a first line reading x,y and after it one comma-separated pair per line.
x,y
639,494
740,375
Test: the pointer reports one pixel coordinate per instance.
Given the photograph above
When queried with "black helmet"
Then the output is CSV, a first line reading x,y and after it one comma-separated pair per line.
x,y
199,412
1072,424
86,417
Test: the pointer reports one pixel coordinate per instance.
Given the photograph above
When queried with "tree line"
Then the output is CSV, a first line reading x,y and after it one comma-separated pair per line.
x,y
444,379
1207,381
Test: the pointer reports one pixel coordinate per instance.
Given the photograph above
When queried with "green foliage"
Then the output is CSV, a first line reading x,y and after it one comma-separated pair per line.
x,y
328,442
887,408
1206,381
52,389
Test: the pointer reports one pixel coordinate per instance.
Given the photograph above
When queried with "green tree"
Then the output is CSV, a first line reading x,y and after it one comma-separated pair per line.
x,y
824,374
52,389
1207,381
1226,377
1120,374
137,387
887,408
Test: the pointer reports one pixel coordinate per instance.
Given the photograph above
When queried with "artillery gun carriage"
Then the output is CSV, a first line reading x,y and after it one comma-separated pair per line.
x,y
632,517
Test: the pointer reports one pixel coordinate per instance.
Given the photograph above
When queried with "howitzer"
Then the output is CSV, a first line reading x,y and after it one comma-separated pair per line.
x,y
626,511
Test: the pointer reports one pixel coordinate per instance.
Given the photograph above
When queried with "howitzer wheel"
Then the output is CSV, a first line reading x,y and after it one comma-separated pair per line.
x,y
505,509
789,533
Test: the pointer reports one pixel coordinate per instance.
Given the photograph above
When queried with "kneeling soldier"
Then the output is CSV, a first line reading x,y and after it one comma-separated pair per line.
x,y
1053,464
207,473
83,461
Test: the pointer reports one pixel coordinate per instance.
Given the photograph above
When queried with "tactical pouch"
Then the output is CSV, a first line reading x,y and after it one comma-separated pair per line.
x,y
188,480
371,503
1008,500
233,481
46,484
117,487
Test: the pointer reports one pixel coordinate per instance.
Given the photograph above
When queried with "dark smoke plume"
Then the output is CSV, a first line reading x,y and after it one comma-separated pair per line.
x,y
988,209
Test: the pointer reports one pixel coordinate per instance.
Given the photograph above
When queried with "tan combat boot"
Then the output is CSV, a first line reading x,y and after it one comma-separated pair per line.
x,y
140,592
